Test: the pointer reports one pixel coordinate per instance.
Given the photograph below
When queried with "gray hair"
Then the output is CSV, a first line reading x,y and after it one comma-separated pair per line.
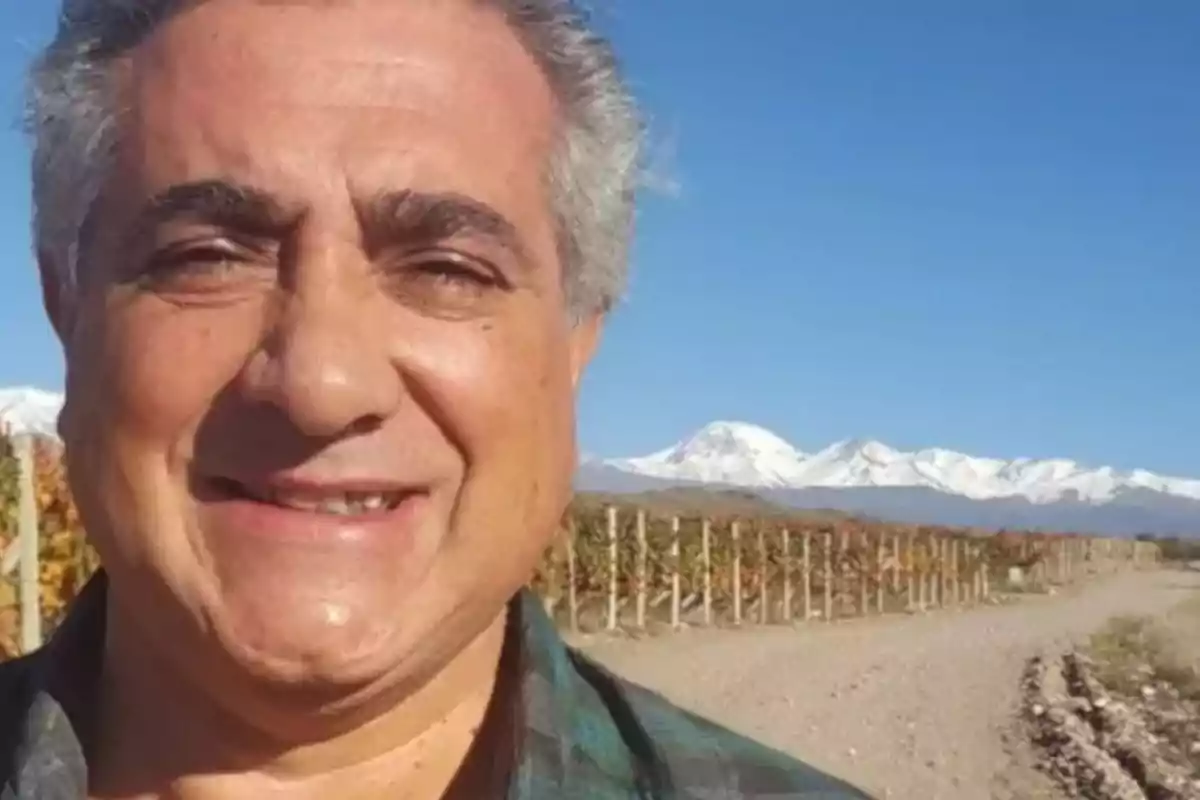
x,y
71,115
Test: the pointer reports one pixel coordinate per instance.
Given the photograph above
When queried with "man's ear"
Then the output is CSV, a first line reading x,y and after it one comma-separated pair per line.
x,y
585,336
57,298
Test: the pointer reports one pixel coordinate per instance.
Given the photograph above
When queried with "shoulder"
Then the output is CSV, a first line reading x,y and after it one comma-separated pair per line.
x,y
17,686
700,758
17,692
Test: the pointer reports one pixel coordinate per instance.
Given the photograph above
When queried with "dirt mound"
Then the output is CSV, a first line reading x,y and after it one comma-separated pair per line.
x,y
1102,743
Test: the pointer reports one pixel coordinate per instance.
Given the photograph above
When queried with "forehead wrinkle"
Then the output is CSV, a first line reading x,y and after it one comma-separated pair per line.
x,y
365,69
259,75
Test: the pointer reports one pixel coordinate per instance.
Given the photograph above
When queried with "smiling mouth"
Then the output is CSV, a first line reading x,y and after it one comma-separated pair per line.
x,y
336,503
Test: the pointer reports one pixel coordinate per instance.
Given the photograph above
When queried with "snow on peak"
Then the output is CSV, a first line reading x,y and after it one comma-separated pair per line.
x,y
732,438
723,452
743,454
863,450
28,410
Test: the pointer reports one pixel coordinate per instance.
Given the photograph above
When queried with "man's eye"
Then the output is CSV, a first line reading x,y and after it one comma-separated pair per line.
x,y
452,272
445,284
200,268
194,260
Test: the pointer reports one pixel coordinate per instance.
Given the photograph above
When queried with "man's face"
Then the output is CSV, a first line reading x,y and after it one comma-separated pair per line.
x,y
320,374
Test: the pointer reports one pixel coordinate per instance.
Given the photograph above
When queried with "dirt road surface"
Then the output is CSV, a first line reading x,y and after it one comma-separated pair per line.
x,y
913,708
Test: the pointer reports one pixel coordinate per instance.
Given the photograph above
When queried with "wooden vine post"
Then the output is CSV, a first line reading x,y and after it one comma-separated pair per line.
x,y
572,579
911,569
896,564
935,569
943,572
735,535
864,572
981,571
551,596
827,574
982,553
925,550
763,572
612,568
844,583
641,569
785,544
706,564
956,552
676,588
28,542
806,556
967,574
879,574
978,576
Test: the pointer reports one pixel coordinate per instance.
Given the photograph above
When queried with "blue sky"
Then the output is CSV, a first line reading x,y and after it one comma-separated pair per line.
x,y
970,225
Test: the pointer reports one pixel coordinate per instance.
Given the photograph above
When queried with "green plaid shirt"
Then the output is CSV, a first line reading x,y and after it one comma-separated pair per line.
x,y
587,734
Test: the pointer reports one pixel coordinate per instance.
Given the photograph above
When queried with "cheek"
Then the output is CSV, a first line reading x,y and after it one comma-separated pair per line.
x,y
144,373
500,395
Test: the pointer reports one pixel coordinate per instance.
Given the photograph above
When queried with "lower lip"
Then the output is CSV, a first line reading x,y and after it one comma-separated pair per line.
x,y
244,517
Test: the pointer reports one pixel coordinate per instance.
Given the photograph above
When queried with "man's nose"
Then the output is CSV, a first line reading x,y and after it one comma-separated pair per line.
x,y
327,370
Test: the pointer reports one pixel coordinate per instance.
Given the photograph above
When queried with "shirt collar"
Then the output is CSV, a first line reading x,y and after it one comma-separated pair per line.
x,y
581,736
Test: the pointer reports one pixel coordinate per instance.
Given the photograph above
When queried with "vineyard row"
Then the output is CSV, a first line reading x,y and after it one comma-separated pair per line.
x,y
622,568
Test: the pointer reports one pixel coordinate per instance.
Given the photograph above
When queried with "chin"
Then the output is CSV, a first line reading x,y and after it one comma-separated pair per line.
x,y
331,659
336,642
302,636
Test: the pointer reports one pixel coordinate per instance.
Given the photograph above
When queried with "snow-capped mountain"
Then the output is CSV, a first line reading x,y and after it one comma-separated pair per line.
x,y
28,410
742,454
724,452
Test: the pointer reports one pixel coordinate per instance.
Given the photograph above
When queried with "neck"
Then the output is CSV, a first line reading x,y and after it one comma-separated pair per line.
x,y
160,734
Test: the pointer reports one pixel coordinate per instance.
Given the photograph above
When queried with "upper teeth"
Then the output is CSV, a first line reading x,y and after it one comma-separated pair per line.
x,y
348,503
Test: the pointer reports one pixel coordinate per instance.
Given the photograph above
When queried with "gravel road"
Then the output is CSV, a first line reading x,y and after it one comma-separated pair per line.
x,y
913,708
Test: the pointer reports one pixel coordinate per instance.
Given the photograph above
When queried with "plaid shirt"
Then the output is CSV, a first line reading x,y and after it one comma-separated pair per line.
x,y
587,734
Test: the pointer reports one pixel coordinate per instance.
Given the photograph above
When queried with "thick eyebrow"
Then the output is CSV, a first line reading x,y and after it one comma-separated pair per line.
x,y
388,217
427,217
220,203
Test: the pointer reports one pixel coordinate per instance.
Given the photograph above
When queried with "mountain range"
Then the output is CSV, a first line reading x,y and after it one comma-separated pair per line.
x,y
742,454
930,486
